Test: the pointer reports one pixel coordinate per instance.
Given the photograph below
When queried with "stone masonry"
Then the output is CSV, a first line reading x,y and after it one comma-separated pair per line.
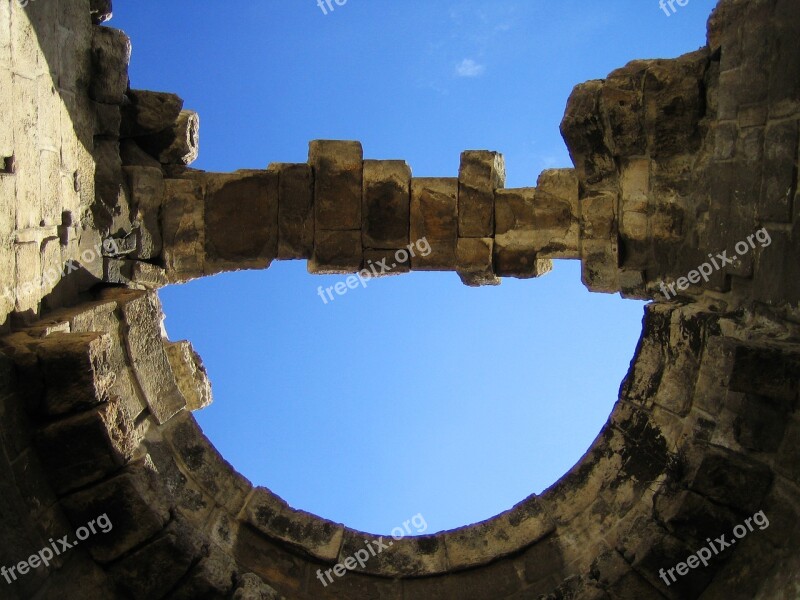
x,y
675,161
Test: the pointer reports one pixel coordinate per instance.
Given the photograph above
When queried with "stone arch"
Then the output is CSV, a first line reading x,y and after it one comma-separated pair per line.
x,y
673,159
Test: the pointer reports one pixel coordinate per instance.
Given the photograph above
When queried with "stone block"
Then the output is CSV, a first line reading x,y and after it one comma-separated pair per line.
x,y
202,463
28,264
780,165
147,189
251,587
107,119
474,262
556,226
75,371
161,564
86,447
132,155
296,210
382,263
407,556
515,225
100,11
480,173
434,217
241,220
190,374
213,577
111,54
179,144
731,480
142,316
270,515
183,229
132,505
336,252
148,112
338,177
386,204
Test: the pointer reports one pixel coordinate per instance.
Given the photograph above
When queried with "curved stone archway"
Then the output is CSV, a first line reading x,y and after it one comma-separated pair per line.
x,y
674,159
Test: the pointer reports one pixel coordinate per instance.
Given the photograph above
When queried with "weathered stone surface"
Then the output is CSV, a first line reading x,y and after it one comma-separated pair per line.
x,y
273,517
76,371
108,119
383,263
100,11
252,588
130,501
386,203
336,252
149,112
86,447
147,195
296,212
190,374
142,316
241,220
111,53
179,144
337,184
556,230
474,261
434,217
480,174
515,252
161,564
183,229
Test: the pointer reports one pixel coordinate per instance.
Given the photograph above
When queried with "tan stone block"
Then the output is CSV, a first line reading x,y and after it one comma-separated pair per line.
x,y
132,504
6,115
183,229
241,220
24,43
149,112
434,218
635,185
556,231
147,191
382,263
111,53
26,154
52,265
29,277
598,216
272,516
387,200
481,173
338,180
600,263
474,261
49,102
177,145
515,250
5,36
336,252
296,212
190,374
50,186
142,316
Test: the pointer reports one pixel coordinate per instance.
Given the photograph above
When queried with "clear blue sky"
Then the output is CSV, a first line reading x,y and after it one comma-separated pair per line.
x,y
416,394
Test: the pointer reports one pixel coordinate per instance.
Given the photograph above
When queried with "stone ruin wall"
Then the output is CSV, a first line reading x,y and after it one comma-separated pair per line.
x,y
673,159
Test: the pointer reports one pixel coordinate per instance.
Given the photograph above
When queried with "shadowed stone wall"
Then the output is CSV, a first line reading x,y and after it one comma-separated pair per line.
x,y
674,160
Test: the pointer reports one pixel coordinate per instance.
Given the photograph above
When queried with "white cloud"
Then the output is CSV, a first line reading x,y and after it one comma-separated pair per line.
x,y
469,68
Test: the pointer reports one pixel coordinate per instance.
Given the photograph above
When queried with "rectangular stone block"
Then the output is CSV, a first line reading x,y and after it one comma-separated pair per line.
x,y
480,174
147,195
130,502
296,210
75,371
182,229
146,353
779,175
600,265
434,217
386,203
556,231
190,374
28,277
382,263
336,252
474,261
514,251
337,183
86,447
111,54
241,220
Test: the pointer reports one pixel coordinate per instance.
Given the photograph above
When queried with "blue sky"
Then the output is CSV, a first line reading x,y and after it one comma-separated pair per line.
x,y
416,394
